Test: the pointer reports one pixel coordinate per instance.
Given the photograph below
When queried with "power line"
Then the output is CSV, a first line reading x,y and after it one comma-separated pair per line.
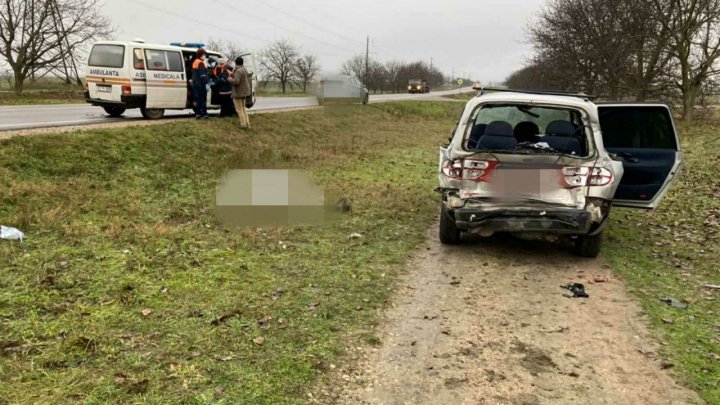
x,y
165,11
217,27
280,26
280,11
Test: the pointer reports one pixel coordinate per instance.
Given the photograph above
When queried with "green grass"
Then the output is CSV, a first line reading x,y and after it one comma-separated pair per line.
x,y
462,96
673,252
118,222
64,96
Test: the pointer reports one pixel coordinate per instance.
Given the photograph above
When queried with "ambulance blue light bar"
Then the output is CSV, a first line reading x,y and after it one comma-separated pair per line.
x,y
188,45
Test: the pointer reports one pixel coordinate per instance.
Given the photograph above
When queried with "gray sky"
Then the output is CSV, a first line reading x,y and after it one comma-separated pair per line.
x,y
481,38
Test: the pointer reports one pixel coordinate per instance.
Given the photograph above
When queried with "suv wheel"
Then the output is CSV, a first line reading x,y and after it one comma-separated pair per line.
x,y
114,111
152,113
589,246
449,233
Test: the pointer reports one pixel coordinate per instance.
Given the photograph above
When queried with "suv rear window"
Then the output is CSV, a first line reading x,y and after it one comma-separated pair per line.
x,y
112,56
522,128
637,127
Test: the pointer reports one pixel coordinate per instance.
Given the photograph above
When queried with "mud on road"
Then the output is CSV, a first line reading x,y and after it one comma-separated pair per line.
x,y
486,322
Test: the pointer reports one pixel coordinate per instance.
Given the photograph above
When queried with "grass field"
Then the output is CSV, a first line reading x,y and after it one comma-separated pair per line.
x,y
44,91
673,252
127,290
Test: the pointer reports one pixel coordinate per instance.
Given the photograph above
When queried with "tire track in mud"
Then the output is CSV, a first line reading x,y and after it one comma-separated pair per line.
x,y
486,322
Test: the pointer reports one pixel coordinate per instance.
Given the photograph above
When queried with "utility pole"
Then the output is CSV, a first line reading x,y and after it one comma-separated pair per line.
x,y
431,63
367,60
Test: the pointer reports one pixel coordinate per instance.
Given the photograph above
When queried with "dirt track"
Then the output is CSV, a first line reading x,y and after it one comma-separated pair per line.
x,y
487,323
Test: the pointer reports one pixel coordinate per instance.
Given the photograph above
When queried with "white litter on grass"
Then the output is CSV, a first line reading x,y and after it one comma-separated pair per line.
x,y
355,236
11,233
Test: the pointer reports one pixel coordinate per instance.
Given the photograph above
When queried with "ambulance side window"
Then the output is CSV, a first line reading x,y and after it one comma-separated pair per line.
x,y
138,59
175,62
156,60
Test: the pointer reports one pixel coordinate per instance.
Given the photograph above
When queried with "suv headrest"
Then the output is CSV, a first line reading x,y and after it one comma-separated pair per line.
x,y
499,128
561,128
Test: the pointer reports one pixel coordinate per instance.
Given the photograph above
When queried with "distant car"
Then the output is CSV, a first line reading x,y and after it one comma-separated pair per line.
x,y
553,163
341,89
418,86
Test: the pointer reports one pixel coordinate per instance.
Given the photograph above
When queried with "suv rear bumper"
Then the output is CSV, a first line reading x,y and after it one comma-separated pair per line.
x,y
126,101
565,221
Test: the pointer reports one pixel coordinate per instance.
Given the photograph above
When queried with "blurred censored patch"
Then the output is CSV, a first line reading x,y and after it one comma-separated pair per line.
x,y
515,184
256,198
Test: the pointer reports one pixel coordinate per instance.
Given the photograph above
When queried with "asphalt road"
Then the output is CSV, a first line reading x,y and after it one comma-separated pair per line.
x,y
42,116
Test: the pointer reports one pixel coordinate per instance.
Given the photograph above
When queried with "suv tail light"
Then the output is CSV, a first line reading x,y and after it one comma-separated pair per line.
x,y
468,169
126,90
580,176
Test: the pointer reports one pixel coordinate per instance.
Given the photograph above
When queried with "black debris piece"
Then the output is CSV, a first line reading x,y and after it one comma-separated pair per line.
x,y
577,289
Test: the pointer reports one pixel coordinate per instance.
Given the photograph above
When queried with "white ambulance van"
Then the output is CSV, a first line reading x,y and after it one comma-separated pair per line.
x,y
151,77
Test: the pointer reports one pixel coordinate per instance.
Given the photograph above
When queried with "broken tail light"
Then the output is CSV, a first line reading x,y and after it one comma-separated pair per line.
x,y
468,169
126,90
580,176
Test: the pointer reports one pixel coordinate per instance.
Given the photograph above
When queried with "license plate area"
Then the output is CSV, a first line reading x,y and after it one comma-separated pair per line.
x,y
103,88
518,183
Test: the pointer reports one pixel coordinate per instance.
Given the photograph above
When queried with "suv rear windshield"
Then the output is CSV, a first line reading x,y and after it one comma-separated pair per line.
x,y
112,56
521,128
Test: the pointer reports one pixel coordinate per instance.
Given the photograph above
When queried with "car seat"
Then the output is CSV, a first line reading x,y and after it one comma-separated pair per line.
x,y
498,136
562,136
477,132
526,131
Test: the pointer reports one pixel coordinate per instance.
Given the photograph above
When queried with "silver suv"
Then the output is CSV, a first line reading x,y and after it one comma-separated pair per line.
x,y
553,163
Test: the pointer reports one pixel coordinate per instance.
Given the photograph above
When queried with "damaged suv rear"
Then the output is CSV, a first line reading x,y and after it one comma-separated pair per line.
x,y
548,163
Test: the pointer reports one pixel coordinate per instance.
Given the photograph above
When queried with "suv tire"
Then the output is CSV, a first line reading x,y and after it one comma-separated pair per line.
x,y
589,245
449,232
152,113
114,111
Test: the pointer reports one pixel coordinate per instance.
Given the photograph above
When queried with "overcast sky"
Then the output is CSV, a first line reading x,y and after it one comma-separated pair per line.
x,y
483,39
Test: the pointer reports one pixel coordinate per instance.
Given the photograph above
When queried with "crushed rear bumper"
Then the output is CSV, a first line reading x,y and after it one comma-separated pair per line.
x,y
564,221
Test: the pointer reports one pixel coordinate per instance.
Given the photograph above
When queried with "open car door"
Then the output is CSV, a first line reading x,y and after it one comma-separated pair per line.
x,y
165,75
644,137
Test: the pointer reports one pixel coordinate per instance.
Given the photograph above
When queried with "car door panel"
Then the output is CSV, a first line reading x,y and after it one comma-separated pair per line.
x,y
644,138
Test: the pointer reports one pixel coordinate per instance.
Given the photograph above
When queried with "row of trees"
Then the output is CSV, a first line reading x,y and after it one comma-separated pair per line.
x,y
391,76
47,37
626,49
284,63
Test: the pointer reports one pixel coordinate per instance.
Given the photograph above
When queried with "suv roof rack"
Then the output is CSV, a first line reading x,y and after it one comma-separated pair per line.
x,y
582,95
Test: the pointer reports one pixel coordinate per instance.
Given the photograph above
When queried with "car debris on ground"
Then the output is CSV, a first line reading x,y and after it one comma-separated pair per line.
x,y
577,289
9,233
672,302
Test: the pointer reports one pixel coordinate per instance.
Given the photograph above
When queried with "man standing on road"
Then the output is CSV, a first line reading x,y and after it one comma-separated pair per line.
x,y
200,84
242,88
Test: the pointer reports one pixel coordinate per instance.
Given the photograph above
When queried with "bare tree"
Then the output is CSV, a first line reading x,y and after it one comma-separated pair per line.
x,y
38,35
392,70
694,27
355,66
278,62
306,68
226,47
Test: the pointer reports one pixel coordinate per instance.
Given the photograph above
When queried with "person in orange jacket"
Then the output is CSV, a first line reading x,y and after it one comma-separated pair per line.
x,y
200,84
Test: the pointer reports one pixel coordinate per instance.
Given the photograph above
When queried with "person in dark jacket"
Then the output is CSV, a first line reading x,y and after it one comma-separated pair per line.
x,y
200,84
221,72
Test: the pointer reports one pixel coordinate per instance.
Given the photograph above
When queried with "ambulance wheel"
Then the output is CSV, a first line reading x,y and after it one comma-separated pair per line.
x,y
114,111
152,113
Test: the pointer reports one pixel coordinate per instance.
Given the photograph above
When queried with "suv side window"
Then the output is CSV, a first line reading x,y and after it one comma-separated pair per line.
x,y
637,127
